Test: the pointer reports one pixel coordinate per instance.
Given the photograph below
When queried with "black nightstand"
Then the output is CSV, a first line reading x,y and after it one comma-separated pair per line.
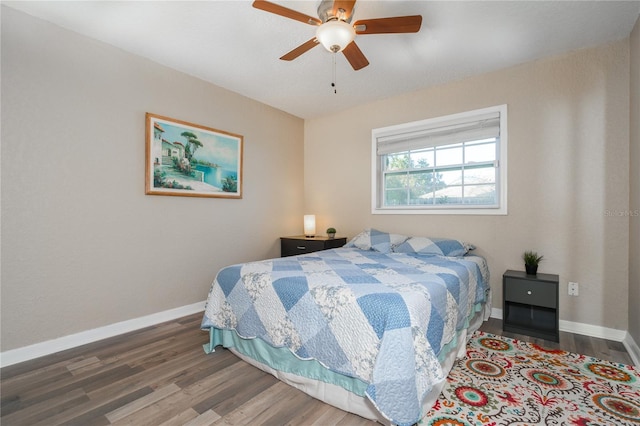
x,y
290,246
530,304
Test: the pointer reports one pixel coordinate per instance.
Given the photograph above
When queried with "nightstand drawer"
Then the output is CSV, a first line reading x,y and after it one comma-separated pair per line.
x,y
294,247
538,293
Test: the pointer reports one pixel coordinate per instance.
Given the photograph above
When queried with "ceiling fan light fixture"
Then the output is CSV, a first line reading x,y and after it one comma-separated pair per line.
x,y
335,35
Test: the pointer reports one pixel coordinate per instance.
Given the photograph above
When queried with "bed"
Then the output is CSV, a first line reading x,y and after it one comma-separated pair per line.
x,y
372,328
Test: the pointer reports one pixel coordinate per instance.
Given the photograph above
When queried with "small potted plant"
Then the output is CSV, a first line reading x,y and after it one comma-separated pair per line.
x,y
531,261
331,232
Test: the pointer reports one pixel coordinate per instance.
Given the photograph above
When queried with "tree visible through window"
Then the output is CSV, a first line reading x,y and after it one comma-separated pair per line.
x,y
445,165
408,179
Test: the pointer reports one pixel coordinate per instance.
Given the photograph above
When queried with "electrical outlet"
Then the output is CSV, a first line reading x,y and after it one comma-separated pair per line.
x,y
574,289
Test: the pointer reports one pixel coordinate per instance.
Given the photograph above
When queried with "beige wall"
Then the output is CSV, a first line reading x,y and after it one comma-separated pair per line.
x,y
634,178
82,245
568,166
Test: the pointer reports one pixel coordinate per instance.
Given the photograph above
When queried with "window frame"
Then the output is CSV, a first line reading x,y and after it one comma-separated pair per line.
x,y
377,166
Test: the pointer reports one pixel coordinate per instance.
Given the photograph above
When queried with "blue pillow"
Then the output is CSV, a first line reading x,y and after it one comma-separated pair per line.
x,y
439,246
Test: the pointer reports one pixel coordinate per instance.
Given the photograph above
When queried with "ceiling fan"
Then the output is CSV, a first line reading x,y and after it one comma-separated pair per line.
x,y
335,31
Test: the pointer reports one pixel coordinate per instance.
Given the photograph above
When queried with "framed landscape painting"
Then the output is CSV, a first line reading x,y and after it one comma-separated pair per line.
x,y
190,160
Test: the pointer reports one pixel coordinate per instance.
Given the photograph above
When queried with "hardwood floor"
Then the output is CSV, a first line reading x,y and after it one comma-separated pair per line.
x,y
161,376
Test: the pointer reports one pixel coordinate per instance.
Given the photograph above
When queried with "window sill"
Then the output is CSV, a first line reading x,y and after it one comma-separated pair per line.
x,y
446,210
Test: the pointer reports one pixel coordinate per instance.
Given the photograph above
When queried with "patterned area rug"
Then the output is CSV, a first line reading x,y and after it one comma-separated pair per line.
x,y
510,382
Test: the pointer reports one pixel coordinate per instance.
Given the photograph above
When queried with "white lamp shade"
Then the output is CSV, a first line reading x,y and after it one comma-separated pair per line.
x,y
309,225
335,35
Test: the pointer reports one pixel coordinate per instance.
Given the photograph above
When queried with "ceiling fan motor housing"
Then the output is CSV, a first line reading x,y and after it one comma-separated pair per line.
x,y
325,12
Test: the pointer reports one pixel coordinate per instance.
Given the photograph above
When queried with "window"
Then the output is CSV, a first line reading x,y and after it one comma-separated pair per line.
x,y
448,165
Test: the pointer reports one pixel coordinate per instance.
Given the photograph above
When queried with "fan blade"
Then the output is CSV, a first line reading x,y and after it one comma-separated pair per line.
x,y
300,50
267,6
399,24
355,56
347,9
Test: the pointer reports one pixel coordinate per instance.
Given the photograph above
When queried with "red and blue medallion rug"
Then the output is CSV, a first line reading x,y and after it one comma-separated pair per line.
x,y
504,381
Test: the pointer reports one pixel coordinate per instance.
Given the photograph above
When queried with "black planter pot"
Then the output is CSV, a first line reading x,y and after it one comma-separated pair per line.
x,y
531,269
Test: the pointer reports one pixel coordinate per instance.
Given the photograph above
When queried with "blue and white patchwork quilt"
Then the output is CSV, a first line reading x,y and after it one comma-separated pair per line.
x,y
380,317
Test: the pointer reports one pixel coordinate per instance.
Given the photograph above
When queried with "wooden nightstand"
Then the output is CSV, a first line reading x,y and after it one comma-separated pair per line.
x,y
291,246
530,304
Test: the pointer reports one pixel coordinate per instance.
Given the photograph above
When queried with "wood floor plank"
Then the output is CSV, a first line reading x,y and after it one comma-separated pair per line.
x,y
121,344
182,418
322,415
161,376
243,391
227,388
162,411
568,342
133,356
83,365
15,395
132,407
32,379
583,345
43,410
170,370
353,420
292,404
37,367
249,412
46,390
215,362
93,412
207,418
172,405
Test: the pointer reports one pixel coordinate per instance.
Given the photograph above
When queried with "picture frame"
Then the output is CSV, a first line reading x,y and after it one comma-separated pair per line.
x,y
191,160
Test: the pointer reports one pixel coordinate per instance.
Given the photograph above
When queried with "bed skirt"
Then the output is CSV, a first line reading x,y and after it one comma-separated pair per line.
x,y
343,392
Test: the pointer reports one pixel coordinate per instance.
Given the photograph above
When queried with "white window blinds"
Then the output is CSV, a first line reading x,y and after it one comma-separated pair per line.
x,y
483,126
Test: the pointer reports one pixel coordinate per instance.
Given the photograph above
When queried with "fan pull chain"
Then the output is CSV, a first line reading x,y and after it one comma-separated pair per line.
x,y
333,81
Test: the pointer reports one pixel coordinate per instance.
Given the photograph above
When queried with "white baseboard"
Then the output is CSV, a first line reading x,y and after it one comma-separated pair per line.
x,y
594,331
49,347
496,313
633,349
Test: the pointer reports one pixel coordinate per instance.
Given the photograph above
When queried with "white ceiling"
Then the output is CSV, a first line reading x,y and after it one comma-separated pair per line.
x,y
233,45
